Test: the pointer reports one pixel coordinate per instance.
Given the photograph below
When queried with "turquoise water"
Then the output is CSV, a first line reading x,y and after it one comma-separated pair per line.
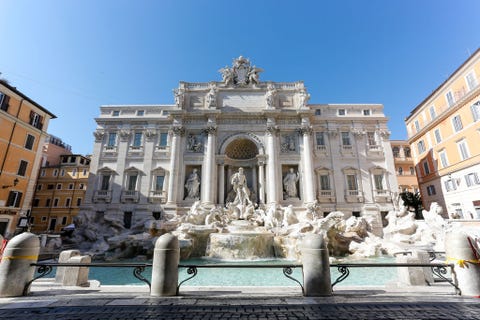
x,y
251,276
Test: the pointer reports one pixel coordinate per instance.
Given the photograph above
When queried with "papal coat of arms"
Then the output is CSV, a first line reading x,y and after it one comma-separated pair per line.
x,y
241,73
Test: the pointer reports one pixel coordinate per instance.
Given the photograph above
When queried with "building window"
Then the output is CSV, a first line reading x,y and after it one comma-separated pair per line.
x,y
443,158
22,168
378,180
342,112
159,180
431,190
407,151
426,168
112,139
50,186
318,112
412,171
55,202
421,146
471,80
320,138
115,113
132,182
62,172
457,123
345,138
14,199
42,173
438,137
67,202
450,185
64,221
366,112
324,182
59,186
55,172
433,114
47,202
371,139
39,187
475,111
163,140
105,182
4,101
74,172
79,202
400,171
463,149
140,113
36,120
396,152
80,186
449,97
84,173
137,139
70,186
36,202
127,219
417,125
352,182
29,142
472,179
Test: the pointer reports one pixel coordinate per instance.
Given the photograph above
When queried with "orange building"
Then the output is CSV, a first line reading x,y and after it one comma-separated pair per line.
x,y
444,132
404,166
23,129
60,193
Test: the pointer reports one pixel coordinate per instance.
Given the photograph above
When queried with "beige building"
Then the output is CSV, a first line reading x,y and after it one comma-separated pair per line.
x,y
59,193
404,166
23,129
444,132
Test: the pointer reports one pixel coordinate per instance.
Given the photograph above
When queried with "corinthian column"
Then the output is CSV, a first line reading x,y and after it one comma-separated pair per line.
x,y
176,132
308,174
272,163
208,167
261,179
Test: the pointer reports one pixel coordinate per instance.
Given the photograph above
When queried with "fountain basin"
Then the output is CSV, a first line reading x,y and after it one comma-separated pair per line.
x,y
242,245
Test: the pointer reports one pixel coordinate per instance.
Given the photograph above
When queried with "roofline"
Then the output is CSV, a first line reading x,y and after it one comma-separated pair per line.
x,y
4,83
441,85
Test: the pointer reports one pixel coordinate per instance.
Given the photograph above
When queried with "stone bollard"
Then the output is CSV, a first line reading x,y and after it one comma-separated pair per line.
x,y
316,266
467,265
63,258
165,266
415,276
15,269
77,276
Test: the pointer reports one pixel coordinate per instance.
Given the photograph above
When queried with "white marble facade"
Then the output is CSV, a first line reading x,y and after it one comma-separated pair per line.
x,y
160,159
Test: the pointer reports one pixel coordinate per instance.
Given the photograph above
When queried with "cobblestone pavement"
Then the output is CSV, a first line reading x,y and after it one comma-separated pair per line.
x,y
350,311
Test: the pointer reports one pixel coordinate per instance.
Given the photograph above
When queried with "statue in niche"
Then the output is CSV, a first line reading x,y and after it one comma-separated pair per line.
x,y
212,98
179,94
303,99
290,183
193,186
193,144
239,183
269,97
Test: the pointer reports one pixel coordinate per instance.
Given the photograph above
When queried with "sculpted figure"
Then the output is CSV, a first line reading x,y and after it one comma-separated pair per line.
x,y
253,75
227,75
212,98
269,96
304,97
178,97
290,183
193,185
239,183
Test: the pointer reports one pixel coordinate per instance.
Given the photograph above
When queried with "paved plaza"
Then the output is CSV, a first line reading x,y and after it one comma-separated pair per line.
x,y
48,301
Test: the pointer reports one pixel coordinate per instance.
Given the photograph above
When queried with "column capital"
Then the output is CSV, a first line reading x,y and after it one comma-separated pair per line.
x,y
177,130
210,130
99,134
272,129
150,134
124,134
305,130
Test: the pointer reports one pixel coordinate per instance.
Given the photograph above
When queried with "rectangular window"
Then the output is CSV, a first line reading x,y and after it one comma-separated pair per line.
x,y
472,179
47,202
84,173
14,199
159,183
79,202
62,172
457,123
342,112
39,187
137,139
324,182
417,125
431,190
140,113
366,112
318,112
42,173
80,186
127,219
55,202
50,186
471,80
438,137
475,108
345,138
320,138
4,101
163,140
105,183
59,186
450,185
55,172
22,168
67,202
132,183
443,158
352,182
371,139
70,186
426,168
64,220
112,139
450,99
115,113
36,202
433,114
29,142
36,120
421,146
378,178
463,149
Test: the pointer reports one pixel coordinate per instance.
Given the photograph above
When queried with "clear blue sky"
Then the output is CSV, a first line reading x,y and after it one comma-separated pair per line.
x,y
73,56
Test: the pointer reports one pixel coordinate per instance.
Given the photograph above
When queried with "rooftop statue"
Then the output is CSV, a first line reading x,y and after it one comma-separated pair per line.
x,y
241,73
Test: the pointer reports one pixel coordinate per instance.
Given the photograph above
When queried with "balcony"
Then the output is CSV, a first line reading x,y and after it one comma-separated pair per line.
x,y
135,151
110,151
374,151
130,196
382,196
326,196
321,150
157,197
353,196
102,196
161,152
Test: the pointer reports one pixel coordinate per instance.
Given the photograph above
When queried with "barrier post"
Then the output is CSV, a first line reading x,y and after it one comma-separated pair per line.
x,y
316,266
166,257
